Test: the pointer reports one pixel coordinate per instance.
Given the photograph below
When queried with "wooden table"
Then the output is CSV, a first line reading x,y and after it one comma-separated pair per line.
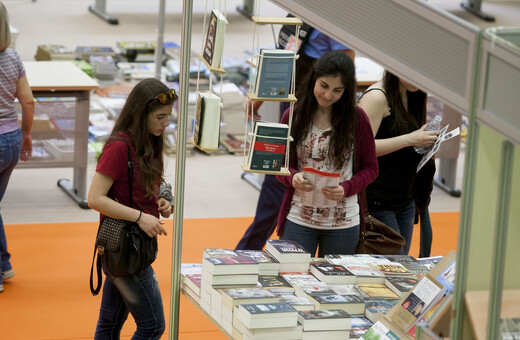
x,y
64,79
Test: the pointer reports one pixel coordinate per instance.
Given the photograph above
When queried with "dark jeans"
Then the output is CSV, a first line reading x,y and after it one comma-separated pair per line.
x,y
426,234
137,294
267,208
10,146
401,221
340,241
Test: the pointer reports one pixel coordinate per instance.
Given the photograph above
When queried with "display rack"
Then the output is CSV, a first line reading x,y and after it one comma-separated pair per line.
x,y
252,97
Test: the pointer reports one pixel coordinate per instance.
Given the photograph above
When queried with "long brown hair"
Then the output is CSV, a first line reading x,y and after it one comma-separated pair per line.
x,y
344,117
134,119
406,120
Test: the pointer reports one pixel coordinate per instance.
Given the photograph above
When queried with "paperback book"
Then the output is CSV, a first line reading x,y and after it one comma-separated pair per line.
x,y
348,303
268,146
375,307
267,263
229,265
206,131
298,302
401,285
287,251
232,297
274,74
378,290
276,284
331,273
330,319
267,315
214,43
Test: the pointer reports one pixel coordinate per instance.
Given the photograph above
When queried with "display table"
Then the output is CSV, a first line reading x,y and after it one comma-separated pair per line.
x,y
61,80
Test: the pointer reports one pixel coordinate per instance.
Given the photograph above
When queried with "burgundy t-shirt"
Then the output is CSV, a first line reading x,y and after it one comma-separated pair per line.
x,y
114,163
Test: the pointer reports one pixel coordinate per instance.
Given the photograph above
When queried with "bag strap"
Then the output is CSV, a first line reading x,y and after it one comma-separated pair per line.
x,y
95,291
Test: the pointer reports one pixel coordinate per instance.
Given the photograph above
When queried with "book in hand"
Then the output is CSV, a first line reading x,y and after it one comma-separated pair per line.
x,y
378,290
232,297
214,43
268,146
332,273
349,303
329,319
401,285
274,74
229,265
287,251
267,315
206,131
319,180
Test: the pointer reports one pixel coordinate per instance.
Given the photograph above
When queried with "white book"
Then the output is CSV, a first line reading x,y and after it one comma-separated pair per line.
x,y
214,43
267,315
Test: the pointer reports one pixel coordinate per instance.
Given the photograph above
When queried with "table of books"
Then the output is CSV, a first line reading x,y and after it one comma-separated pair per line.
x,y
283,293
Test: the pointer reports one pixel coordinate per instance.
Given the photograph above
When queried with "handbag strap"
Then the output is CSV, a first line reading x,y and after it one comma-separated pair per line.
x,y
95,291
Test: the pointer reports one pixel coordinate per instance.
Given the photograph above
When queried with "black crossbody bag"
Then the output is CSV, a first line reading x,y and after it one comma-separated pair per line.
x,y
122,246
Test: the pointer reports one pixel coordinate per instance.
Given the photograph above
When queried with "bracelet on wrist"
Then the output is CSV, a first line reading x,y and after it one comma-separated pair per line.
x,y
140,213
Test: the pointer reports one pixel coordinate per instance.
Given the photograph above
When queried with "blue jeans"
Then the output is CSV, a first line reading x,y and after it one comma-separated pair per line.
x,y
10,146
340,241
267,208
401,221
137,294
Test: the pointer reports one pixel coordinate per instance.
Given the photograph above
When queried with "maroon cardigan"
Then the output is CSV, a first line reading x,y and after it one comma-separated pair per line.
x,y
366,169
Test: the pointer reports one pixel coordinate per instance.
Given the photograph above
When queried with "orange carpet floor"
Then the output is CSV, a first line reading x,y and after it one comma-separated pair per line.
x,y
49,297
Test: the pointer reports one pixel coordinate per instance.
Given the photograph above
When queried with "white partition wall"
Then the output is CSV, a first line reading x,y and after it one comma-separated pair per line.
x,y
413,39
499,96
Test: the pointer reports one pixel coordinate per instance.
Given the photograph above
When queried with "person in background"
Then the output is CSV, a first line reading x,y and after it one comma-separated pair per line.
x,y
14,143
397,112
330,134
313,45
141,124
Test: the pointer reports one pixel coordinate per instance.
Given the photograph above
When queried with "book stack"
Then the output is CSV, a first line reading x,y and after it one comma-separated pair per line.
x,y
364,273
267,263
325,324
54,52
332,273
233,297
292,256
375,308
240,331
103,66
191,279
85,52
298,302
137,51
270,315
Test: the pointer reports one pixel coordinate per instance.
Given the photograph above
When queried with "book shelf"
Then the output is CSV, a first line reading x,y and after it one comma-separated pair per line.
x,y
255,69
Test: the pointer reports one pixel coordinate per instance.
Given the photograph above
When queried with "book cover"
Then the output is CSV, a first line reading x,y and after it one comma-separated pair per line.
x,y
365,273
342,259
287,251
232,297
268,146
214,42
191,268
330,319
230,265
259,256
274,76
378,290
349,289
268,308
401,285
230,280
218,252
267,315
319,180
349,303
331,273
275,284
380,332
375,305
298,302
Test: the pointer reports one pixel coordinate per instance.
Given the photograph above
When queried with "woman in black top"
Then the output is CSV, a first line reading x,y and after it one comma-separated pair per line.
x,y
397,112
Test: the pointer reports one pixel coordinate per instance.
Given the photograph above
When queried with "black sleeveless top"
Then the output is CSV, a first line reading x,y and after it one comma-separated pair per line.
x,y
393,187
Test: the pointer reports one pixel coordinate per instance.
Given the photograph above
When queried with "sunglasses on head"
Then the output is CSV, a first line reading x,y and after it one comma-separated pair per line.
x,y
163,97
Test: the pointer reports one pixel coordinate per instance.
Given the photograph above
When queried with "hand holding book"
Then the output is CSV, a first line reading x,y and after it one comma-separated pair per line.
x,y
326,190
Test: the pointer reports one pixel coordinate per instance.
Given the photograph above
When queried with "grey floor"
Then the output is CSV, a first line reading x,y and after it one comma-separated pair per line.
x,y
213,185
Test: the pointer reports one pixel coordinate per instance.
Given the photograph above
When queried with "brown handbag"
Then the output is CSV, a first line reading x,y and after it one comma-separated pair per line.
x,y
376,237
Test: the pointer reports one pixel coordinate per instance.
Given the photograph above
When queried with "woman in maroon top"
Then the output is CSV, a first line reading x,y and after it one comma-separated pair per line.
x,y
141,125
331,135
